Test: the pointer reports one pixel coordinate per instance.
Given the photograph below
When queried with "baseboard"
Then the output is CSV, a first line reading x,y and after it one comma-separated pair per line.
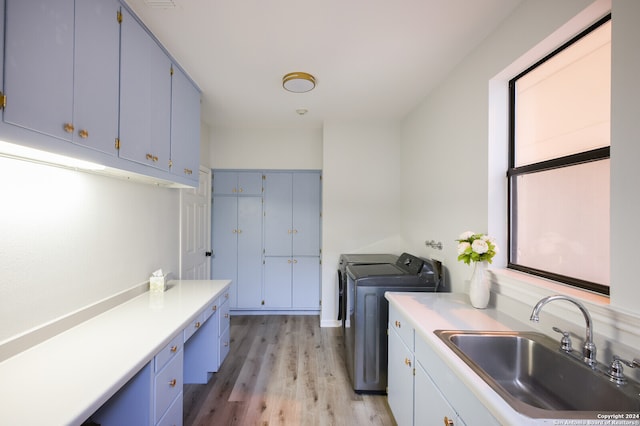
x,y
271,312
330,323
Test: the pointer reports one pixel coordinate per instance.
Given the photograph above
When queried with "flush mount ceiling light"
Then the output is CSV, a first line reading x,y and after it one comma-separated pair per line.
x,y
298,82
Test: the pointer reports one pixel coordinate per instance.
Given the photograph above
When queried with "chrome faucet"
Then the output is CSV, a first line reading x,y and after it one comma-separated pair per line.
x,y
589,348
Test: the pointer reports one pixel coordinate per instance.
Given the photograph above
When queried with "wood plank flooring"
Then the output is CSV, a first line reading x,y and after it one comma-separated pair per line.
x,y
283,370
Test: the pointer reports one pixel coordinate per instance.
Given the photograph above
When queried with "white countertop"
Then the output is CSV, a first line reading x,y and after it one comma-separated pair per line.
x,y
65,379
452,311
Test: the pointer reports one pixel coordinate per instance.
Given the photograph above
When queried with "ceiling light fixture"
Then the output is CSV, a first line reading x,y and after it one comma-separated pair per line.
x,y
302,111
298,82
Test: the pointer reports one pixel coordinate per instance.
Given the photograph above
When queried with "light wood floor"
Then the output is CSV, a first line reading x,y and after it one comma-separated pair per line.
x,y
283,370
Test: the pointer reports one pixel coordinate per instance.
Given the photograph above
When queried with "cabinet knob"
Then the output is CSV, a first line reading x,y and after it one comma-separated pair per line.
x,y
188,171
214,308
241,190
289,231
152,157
226,315
83,134
407,361
226,344
198,324
174,348
235,231
448,421
68,127
289,261
173,383
397,323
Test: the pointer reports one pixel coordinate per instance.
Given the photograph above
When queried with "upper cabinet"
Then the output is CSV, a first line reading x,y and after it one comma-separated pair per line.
x,y
226,182
55,53
90,73
185,125
292,214
96,59
39,66
145,97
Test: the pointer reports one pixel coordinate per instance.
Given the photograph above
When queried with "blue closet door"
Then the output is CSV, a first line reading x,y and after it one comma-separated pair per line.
x,y
249,252
224,242
306,214
278,222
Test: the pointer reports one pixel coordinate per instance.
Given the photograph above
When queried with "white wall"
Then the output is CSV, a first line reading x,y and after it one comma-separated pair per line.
x,y
251,148
361,198
450,134
70,239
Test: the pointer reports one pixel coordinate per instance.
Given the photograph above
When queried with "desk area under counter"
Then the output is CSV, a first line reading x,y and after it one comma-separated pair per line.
x,y
125,363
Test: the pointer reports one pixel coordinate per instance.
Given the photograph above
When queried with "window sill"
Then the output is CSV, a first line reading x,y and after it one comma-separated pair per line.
x,y
516,293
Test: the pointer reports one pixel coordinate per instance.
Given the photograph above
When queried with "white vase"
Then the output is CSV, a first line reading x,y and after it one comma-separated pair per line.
x,y
479,286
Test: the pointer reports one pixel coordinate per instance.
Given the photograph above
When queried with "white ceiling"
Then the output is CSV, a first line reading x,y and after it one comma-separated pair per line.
x,y
373,59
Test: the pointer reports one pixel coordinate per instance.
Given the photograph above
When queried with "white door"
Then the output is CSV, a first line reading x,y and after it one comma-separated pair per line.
x,y
195,229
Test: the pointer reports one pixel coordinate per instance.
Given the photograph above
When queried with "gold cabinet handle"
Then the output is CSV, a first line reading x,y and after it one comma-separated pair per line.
x,y
149,157
152,157
226,295
198,324
289,231
289,261
83,134
241,190
188,171
397,323
239,231
174,348
295,260
214,308
68,127
226,315
295,231
407,361
173,383
448,421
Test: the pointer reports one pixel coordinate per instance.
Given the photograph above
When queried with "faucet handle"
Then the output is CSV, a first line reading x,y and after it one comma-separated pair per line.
x,y
565,342
616,369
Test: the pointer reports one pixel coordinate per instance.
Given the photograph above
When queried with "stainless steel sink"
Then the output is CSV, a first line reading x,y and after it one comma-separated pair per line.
x,y
532,375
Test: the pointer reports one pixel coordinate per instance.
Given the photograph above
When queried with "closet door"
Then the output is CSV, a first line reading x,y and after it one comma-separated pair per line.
x,y
224,242
278,220
249,235
306,214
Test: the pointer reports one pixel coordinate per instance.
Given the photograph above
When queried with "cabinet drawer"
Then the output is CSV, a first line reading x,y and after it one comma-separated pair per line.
x,y
168,385
168,352
225,317
173,416
225,345
404,329
193,326
210,310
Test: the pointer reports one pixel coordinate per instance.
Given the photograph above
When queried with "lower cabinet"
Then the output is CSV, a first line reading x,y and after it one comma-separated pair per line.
x,y
422,390
400,379
154,395
292,282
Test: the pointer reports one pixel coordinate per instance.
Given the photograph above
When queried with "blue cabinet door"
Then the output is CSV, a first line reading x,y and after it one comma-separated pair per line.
x,y
278,197
306,214
249,284
306,282
145,96
39,66
185,126
277,282
237,182
96,74
224,242
249,183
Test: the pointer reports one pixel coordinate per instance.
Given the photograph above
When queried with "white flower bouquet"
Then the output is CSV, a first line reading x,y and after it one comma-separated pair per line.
x,y
476,247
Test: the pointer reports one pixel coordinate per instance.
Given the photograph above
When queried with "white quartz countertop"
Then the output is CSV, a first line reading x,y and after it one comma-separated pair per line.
x,y
452,311
63,380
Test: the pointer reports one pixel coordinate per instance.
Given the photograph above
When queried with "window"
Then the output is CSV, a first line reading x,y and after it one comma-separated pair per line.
x,y
559,163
